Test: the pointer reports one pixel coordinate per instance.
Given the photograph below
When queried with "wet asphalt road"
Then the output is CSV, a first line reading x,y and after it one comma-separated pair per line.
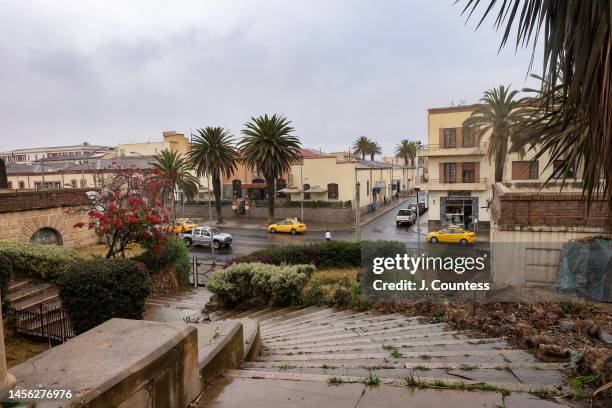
x,y
246,241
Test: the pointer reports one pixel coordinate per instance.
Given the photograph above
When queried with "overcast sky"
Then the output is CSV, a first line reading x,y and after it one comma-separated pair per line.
x,y
124,71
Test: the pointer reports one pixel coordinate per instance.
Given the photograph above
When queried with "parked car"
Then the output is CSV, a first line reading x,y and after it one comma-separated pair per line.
x,y
452,233
405,216
182,225
291,225
205,236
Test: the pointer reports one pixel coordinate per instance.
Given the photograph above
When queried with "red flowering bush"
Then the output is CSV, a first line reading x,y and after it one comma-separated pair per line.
x,y
127,211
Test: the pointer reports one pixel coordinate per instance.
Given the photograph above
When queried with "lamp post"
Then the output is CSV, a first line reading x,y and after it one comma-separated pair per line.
x,y
302,190
357,211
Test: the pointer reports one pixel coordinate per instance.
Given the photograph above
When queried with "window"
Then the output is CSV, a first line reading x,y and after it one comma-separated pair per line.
x,y
368,188
306,187
525,170
468,139
558,171
332,191
450,172
450,137
468,172
22,184
237,188
534,170
83,183
73,182
9,184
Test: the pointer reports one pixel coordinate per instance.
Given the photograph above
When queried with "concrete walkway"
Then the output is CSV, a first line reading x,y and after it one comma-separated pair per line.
x,y
326,357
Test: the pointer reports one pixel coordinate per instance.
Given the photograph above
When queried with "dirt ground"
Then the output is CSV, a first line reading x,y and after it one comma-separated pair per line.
x,y
19,349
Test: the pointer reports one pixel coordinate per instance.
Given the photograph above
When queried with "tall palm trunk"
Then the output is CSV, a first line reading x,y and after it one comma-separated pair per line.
x,y
216,182
270,194
500,160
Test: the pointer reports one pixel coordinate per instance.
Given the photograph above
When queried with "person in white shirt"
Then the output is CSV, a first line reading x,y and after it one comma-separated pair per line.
x,y
328,236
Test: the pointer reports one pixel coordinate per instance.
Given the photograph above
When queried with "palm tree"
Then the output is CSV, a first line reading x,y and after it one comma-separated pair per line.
x,y
496,113
362,146
269,147
212,152
374,149
574,116
174,174
407,150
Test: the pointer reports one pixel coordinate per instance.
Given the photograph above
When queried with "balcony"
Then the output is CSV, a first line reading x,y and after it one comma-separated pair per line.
x,y
459,185
440,151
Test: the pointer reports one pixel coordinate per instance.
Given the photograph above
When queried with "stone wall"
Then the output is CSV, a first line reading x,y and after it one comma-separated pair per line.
x,y
332,215
24,213
512,210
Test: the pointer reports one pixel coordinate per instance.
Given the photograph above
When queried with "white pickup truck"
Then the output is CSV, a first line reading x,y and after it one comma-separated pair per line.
x,y
405,216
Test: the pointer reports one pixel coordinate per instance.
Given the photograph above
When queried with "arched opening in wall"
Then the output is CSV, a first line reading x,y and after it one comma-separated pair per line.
x,y
280,185
47,236
332,191
306,192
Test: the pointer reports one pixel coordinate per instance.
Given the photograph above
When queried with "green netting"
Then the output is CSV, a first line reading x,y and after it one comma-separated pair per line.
x,y
586,269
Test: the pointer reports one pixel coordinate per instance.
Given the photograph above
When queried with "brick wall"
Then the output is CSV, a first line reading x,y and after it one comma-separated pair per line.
x,y
33,200
517,209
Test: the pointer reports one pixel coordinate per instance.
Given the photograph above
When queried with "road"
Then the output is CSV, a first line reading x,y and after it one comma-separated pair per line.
x,y
249,240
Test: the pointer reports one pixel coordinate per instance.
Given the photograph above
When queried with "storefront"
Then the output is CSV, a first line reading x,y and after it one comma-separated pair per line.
x,y
459,210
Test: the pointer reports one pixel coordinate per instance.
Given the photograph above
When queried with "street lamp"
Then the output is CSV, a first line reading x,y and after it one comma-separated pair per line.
x,y
357,210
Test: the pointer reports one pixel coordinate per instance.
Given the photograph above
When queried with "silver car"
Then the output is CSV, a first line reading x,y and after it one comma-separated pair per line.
x,y
206,235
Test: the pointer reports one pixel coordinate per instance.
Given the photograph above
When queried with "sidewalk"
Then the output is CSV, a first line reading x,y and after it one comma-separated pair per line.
x,y
261,223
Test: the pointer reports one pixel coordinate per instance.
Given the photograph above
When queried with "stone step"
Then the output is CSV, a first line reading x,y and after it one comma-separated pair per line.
x,y
397,345
504,354
381,339
431,328
383,380
298,315
320,320
23,294
331,329
15,285
44,299
323,364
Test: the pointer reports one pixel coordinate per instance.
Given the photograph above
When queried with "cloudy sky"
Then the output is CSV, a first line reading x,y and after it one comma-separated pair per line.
x,y
124,71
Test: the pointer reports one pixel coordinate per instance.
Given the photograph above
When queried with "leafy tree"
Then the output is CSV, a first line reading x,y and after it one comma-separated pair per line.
x,y
496,113
362,146
212,151
174,174
407,150
269,147
128,210
574,114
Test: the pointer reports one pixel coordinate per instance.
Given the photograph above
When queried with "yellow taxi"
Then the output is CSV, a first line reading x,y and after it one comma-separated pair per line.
x,y
183,225
452,233
291,225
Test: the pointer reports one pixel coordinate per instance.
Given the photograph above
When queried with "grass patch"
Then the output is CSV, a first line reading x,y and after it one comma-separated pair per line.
x,y
422,368
542,393
371,379
491,387
286,366
19,349
395,353
425,357
328,367
334,380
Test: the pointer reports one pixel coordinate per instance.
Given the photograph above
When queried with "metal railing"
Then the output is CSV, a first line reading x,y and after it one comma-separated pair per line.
x,y
44,322
476,148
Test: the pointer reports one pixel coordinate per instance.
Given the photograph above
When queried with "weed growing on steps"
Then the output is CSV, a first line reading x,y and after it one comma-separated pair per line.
x,y
334,380
371,379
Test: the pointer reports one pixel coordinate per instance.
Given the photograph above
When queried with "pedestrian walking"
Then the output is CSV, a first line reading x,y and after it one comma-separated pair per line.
x,y
328,236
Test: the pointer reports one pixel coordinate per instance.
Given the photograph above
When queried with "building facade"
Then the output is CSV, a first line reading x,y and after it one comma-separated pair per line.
x,y
57,153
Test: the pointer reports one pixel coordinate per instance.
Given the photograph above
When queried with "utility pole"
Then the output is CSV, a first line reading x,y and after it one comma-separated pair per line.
x,y
416,188
357,210
302,190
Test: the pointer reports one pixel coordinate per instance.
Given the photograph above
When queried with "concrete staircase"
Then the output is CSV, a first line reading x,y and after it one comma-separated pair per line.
x,y
333,346
28,294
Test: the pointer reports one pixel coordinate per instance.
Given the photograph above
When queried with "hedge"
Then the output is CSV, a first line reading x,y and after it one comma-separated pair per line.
x,y
335,254
97,290
6,270
260,284
39,261
174,254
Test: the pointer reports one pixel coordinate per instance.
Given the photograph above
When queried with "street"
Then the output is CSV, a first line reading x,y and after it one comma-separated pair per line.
x,y
246,241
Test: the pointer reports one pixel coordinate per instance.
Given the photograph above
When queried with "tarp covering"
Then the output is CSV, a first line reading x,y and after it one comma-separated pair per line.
x,y
586,269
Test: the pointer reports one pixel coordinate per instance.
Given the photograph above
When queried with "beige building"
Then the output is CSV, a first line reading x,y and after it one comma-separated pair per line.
x,y
329,178
73,153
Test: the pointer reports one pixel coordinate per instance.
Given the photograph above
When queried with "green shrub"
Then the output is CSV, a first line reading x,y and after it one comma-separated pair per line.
x,y
6,270
335,254
174,254
260,284
97,290
39,261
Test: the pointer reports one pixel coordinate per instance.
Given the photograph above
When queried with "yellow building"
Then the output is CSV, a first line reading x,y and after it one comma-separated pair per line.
x,y
330,178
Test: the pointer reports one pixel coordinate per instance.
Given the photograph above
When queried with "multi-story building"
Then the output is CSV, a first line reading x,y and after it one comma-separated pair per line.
x,y
459,173
73,153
